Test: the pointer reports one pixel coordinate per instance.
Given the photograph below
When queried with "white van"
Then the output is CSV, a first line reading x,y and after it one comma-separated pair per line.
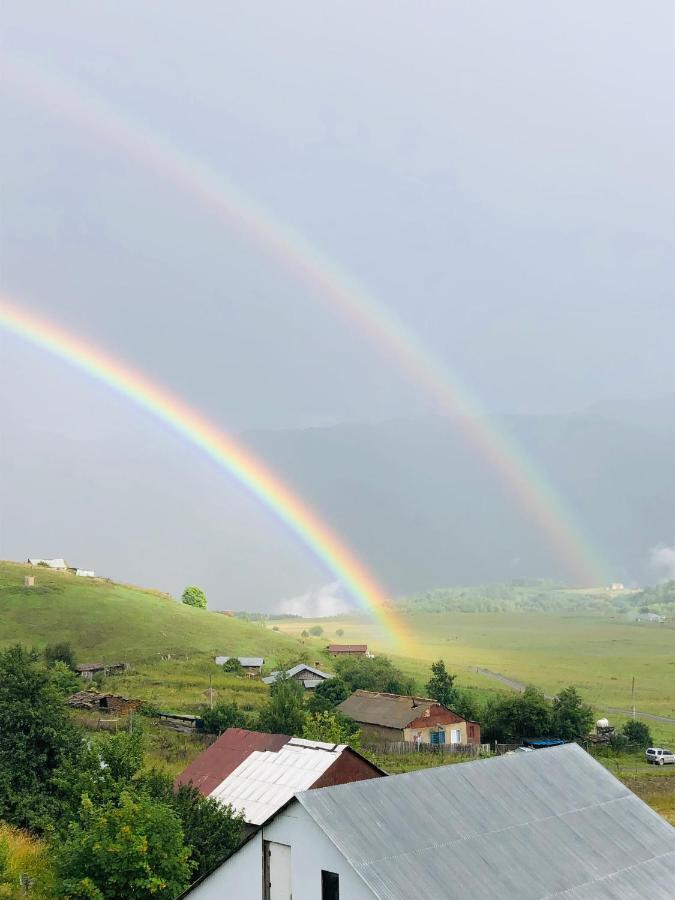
x,y
659,756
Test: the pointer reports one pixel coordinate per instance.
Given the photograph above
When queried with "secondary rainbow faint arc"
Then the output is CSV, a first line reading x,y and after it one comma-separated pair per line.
x,y
526,482
221,447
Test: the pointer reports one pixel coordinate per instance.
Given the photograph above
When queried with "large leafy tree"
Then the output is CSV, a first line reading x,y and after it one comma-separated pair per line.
x,y
284,712
212,830
131,848
571,717
637,733
328,694
194,596
510,719
223,716
379,674
36,739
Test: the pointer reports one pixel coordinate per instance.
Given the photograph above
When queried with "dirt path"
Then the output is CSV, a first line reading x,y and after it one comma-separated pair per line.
x,y
520,687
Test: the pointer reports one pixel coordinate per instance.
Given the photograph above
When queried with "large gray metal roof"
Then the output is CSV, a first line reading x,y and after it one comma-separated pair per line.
x,y
553,823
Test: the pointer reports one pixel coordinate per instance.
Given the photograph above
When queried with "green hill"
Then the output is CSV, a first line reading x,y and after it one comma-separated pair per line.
x,y
106,622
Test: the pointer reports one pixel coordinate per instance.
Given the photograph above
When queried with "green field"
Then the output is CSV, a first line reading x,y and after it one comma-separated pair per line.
x,y
109,622
600,655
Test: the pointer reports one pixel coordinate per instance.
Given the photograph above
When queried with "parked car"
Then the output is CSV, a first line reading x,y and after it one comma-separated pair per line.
x,y
660,756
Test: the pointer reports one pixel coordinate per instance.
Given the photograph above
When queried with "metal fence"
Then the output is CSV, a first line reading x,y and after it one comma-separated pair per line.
x,y
403,747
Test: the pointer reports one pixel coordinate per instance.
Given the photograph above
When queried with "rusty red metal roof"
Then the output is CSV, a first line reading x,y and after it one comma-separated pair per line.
x,y
348,648
224,755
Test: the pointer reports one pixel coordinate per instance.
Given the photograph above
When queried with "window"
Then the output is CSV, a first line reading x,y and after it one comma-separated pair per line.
x,y
330,885
437,737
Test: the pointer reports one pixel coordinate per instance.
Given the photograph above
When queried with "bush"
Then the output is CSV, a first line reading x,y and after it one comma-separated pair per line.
x,y
571,718
509,719
379,674
63,679
132,848
284,712
61,652
194,596
221,717
316,630
637,733
233,666
340,632
333,728
328,694
304,633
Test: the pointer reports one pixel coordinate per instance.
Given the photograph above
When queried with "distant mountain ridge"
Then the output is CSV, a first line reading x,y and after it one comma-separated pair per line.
x,y
425,510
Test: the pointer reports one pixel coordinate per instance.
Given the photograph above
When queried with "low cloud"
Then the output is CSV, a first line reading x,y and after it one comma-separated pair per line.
x,y
327,600
662,559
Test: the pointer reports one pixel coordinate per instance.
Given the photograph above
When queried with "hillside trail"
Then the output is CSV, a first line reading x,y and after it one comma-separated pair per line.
x,y
520,686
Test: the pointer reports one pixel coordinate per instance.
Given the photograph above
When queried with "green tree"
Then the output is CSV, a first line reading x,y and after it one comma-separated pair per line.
x,y
36,738
340,632
316,630
233,666
64,681
637,733
304,633
571,717
284,712
328,694
131,848
510,719
194,596
379,674
212,830
441,685
223,716
332,728
61,652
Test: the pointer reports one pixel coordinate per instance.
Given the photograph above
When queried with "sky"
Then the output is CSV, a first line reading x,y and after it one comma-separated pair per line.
x,y
498,175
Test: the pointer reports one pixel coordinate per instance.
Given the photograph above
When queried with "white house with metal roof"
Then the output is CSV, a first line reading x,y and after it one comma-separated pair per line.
x,y
551,823
58,564
307,675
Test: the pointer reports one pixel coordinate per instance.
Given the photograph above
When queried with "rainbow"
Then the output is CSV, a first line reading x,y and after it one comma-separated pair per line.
x,y
525,481
228,453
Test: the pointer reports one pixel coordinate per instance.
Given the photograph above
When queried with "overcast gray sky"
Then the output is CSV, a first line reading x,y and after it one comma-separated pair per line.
x,y
499,175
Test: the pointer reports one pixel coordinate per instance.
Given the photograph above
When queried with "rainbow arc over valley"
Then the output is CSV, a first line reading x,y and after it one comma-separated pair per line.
x,y
529,486
230,454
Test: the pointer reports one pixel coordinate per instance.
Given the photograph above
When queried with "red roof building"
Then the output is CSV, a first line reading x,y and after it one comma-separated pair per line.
x,y
348,649
258,773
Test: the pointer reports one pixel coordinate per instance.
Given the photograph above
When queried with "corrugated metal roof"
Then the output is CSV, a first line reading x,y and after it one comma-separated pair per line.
x,y
295,670
52,563
265,781
219,760
255,662
551,823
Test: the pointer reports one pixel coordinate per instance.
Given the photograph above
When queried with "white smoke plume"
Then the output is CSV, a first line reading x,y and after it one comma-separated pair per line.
x,y
327,600
663,560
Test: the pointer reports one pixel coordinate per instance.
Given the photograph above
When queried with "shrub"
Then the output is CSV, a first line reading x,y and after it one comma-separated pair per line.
x,y
233,666
61,652
221,717
284,712
316,630
637,733
331,727
194,596
328,694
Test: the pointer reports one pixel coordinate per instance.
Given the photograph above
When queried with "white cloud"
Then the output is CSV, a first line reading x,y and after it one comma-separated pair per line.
x,y
662,559
327,600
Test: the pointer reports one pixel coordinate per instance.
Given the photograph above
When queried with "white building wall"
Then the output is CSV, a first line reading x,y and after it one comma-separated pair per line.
x,y
311,851
240,878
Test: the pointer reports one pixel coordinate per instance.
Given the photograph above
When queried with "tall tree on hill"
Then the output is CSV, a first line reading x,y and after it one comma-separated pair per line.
x,y
328,694
194,596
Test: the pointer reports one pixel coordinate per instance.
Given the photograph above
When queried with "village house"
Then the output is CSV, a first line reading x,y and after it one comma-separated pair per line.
x,y
88,670
58,565
307,675
258,773
252,665
340,650
419,720
533,825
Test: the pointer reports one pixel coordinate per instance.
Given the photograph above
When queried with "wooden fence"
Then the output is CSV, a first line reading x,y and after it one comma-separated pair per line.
x,y
403,747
